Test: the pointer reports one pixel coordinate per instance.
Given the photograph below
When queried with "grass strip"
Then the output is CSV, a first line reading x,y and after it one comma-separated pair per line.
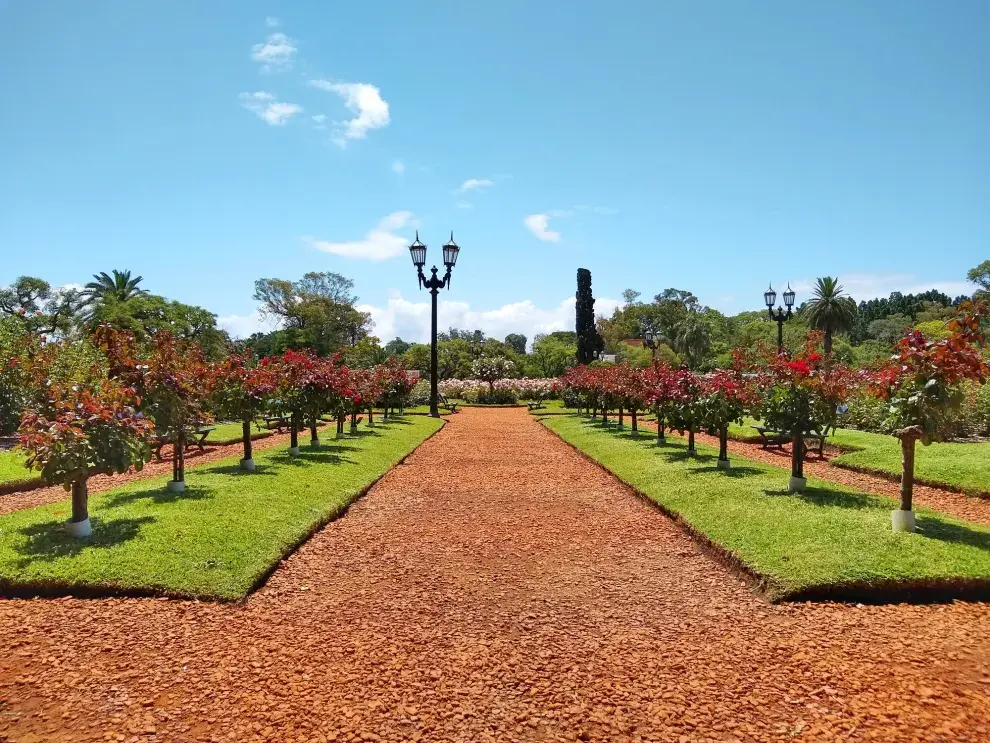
x,y
830,542
218,540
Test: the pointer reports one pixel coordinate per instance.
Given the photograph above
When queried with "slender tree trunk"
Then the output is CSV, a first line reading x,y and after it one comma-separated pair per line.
x,y
691,439
371,417
604,417
828,341
723,444
661,439
635,423
246,434
80,501
907,472
294,431
179,456
620,417
354,421
797,453
314,438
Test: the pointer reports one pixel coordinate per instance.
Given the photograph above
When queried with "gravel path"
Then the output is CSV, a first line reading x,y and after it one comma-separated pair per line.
x,y
497,586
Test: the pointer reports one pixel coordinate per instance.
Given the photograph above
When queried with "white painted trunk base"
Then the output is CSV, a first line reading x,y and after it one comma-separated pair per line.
x,y
247,465
797,484
902,520
293,451
79,529
723,464
176,486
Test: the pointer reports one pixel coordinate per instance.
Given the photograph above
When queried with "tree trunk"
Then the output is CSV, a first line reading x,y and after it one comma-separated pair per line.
x,y
907,472
371,417
660,435
294,431
723,444
246,433
828,342
179,456
691,439
314,438
604,416
80,501
620,417
797,453
354,422
635,423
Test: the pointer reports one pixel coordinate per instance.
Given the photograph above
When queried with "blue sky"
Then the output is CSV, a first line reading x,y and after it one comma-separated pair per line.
x,y
710,146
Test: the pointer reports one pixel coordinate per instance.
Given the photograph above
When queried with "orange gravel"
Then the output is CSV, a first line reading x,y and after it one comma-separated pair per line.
x,y
497,586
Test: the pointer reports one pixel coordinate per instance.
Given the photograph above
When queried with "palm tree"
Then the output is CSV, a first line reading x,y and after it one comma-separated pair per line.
x,y
692,338
120,286
828,310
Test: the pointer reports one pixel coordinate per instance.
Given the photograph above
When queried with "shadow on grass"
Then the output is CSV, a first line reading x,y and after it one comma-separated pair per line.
x,y
50,541
829,498
732,472
948,532
160,496
327,454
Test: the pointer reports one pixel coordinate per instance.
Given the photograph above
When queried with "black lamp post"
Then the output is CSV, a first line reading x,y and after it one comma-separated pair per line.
x,y
779,317
418,253
650,341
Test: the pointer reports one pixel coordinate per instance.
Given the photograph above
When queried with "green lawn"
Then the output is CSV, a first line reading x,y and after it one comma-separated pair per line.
x,y
830,541
553,407
958,466
12,468
219,539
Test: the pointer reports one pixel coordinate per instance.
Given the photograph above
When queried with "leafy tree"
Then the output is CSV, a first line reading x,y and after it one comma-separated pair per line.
x,y
692,339
40,308
588,342
629,296
365,354
888,329
491,369
241,391
828,310
517,342
120,286
417,356
551,357
396,347
980,275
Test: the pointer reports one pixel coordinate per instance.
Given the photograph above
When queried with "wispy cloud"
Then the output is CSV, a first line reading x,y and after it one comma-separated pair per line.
x,y
275,54
272,22
475,184
398,167
864,286
319,120
464,205
270,110
539,225
362,99
380,243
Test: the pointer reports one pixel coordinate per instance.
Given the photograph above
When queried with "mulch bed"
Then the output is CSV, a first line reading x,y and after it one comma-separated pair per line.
x,y
495,587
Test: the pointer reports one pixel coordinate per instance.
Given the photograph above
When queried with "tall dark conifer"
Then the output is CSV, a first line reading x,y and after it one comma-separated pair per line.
x,y
587,336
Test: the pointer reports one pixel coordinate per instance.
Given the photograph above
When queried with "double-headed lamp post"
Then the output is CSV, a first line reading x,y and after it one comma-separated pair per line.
x,y
418,253
650,341
779,317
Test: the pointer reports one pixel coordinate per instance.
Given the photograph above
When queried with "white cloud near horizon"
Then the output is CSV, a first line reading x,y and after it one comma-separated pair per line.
x,y
275,54
398,167
474,184
363,100
865,286
270,110
409,320
539,225
380,243
271,22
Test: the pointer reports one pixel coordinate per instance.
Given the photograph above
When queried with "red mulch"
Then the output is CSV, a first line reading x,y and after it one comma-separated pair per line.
x,y
499,587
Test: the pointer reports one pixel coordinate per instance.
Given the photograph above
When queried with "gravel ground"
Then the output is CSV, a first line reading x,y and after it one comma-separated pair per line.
x,y
497,586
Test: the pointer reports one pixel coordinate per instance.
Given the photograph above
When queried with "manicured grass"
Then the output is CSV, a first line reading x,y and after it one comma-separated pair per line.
x,y
553,407
216,540
959,466
831,540
12,468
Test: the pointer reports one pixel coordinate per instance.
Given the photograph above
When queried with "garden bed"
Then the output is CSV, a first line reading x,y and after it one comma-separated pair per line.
x,y
218,540
831,542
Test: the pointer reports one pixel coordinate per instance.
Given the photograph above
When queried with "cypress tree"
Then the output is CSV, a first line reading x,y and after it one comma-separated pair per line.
x,y
587,336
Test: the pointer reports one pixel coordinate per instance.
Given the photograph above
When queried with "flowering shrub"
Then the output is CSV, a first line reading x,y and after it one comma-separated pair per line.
x,y
686,411
502,391
725,398
241,391
491,369
77,431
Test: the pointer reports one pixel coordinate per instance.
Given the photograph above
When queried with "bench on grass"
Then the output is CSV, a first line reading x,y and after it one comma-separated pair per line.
x,y
538,405
194,437
814,440
277,422
451,406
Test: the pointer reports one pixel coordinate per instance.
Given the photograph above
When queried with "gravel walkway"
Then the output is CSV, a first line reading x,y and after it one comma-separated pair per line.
x,y
497,586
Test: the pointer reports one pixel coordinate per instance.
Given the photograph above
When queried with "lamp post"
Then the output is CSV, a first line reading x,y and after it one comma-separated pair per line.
x,y
779,317
650,341
418,253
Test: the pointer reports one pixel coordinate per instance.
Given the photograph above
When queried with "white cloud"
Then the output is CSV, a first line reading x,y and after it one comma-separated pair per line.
x,y
362,99
464,205
379,244
271,22
273,112
275,53
411,320
539,225
475,184
241,326
398,167
319,120
871,286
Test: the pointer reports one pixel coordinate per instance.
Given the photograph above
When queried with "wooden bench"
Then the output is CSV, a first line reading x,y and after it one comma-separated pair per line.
x,y
451,406
276,421
538,405
814,440
194,437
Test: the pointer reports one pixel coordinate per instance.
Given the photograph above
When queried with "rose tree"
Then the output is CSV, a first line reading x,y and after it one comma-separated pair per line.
x,y
631,391
77,431
686,411
241,392
922,392
659,380
724,400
